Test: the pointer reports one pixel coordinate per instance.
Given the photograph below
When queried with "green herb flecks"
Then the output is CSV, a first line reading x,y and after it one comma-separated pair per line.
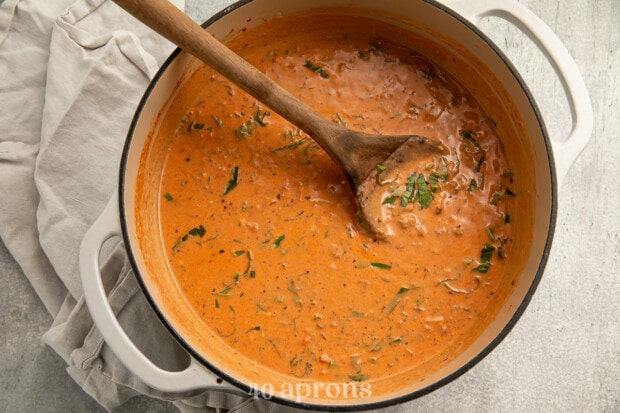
x,y
496,198
232,183
248,272
194,232
434,178
168,196
341,120
463,291
225,292
417,189
361,220
218,121
359,377
424,194
395,300
408,195
490,233
487,253
501,252
195,126
482,268
245,130
292,146
472,185
278,241
380,169
259,116
256,328
294,291
316,69
381,265
199,231
468,135
389,200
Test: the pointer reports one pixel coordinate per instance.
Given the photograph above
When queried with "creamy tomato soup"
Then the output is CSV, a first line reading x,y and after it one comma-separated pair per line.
x,y
263,234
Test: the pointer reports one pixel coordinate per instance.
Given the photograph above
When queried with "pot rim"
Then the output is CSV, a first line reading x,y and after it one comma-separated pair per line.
x,y
361,406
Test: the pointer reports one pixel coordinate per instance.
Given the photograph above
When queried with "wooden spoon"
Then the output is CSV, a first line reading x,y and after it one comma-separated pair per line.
x,y
357,153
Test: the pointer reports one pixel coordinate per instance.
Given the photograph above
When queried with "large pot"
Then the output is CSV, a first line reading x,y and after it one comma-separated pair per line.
x,y
484,70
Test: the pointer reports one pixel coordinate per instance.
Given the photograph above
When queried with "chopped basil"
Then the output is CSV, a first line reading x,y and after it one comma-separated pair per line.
x,y
194,126
359,377
294,145
424,195
472,185
486,253
482,268
357,314
469,136
259,117
232,183
293,290
434,178
378,347
341,120
218,121
194,232
389,200
500,252
496,197
407,196
168,196
490,233
199,231
279,240
460,291
317,69
395,300
381,265
225,292
248,269
244,130
380,169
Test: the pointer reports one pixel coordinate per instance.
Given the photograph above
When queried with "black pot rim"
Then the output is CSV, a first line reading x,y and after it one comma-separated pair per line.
x,y
244,387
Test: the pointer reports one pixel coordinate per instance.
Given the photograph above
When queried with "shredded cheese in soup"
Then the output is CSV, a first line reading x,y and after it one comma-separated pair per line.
x,y
263,234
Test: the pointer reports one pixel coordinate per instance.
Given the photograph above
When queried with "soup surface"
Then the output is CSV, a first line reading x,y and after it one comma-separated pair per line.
x,y
262,231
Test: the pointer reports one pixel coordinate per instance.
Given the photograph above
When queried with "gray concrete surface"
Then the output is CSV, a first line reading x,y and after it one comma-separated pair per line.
x,y
563,355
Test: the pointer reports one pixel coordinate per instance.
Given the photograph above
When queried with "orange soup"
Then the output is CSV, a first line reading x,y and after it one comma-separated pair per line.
x,y
263,233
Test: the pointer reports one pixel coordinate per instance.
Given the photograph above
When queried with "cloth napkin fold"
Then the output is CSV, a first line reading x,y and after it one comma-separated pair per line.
x,y
71,75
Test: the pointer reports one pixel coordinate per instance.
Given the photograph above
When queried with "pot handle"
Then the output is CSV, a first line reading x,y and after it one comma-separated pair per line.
x,y
565,151
195,376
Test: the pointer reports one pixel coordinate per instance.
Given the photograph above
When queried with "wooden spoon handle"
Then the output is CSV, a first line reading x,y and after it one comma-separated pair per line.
x,y
176,26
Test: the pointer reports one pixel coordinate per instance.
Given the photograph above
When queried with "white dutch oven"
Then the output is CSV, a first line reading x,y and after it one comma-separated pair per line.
x,y
452,23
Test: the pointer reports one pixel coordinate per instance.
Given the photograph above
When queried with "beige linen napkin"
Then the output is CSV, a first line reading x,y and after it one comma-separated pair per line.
x,y
71,75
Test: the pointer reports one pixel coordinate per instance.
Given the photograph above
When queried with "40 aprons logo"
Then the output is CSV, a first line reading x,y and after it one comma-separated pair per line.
x,y
315,390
